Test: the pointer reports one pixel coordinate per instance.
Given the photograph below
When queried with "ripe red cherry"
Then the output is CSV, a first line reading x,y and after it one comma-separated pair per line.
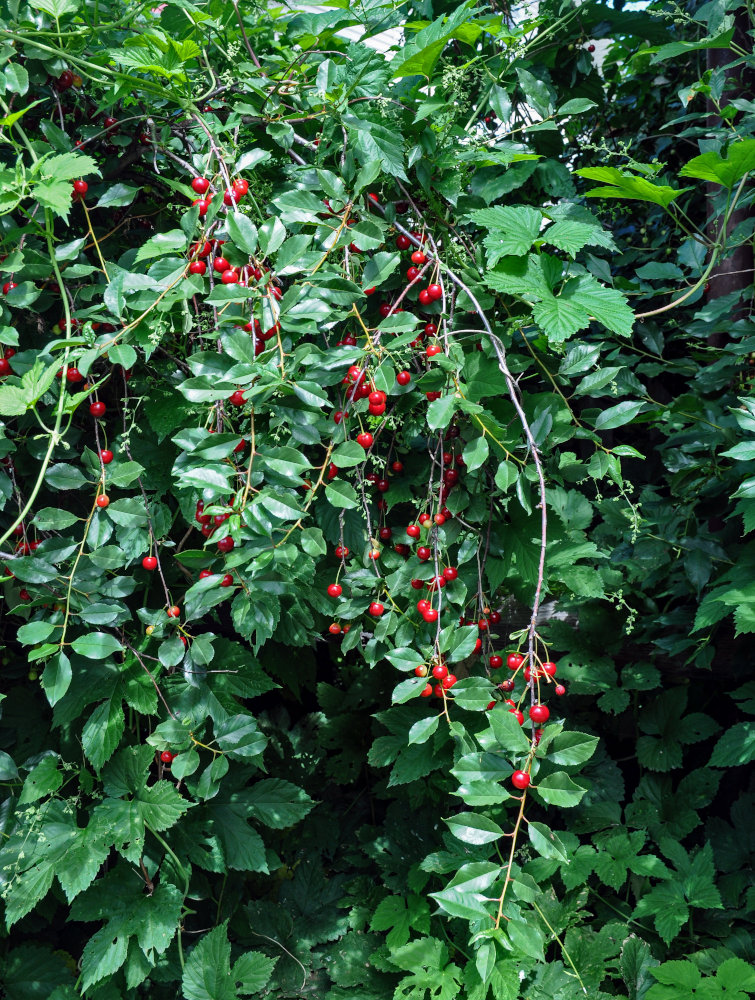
x,y
334,628
110,123
374,554
106,455
401,549
166,756
422,605
430,615
424,518
377,396
420,671
385,309
203,205
482,624
560,689
24,595
549,668
514,661
496,661
440,671
102,500
418,584
494,618
204,573
433,349
385,533
9,286
424,553
430,329
229,277
403,242
365,439
520,780
5,368
419,258
450,572
237,398
174,611
403,378
424,297
226,544
435,292
227,580
335,590
376,609
198,267
97,409
80,187
448,682
432,396
220,264
539,713
65,80
517,715
240,187
412,273
414,531
477,646
426,691
149,562
506,685
341,551
397,466
200,185
590,47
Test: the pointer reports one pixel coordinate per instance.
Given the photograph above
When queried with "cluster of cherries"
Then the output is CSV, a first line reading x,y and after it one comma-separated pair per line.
x,y
231,196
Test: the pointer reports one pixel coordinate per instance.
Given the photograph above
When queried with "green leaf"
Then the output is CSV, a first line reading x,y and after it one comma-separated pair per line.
x,y
423,729
207,972
513,230
96,645
159,246
57,8
474,828
252,971
617,416
56,678
507,732
629,186
242,231
546,842
571,748
408,689
347,455
712,166
118,195
102,732
576,106
278,803
736,747
441,411
42,780
342,494
240,737
559,789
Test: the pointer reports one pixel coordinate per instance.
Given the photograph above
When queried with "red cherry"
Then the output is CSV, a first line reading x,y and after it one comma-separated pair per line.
x,y
334,628
403,242
403,378
197,267
448,682
430,615
438,690
9,286
227,580
440,671
424,297
430,329
494,618
397,466
220,264
370,291
240,187
549,668
433,349
419,258
374,554
560,689
365,439
591,47
450,572
229,277
204,573
439,519
539,713
385,533
24,595
335,590
237,398
520,780
149,562
80,187
424,553
418,584
517,715
426,691
342,551
412,274
166,756
385,309
226,544
106,455
377,396
103,500
65,80
376,609
432,396
200,185
420,671
174,611
506,685
514,661
435,292
496,661
97,409
5,368
414,531
203,204
110,123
